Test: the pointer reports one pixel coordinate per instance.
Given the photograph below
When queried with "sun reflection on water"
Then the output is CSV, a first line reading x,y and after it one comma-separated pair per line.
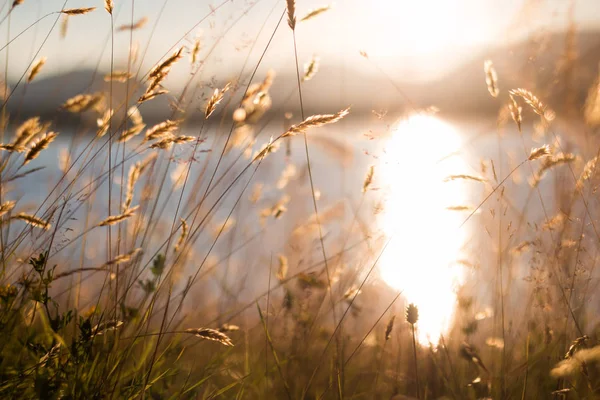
x,y
425,235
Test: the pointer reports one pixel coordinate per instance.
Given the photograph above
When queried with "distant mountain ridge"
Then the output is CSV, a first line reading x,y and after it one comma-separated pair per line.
x,y
460,92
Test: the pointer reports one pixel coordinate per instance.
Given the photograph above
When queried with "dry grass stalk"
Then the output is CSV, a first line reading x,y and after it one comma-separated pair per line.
x,y
195,51
588,171
104,123
539,152
549,163
39,145
27,131
11,148
182,236
134,115
313,13
36,68
459,208
515,112
277,209
106,327
115,219
83,102
315,121
282,270
269,147
291,12
215,99
118,76
64,26
108,6
123,257
32,220
78,11
162,130
7,206
536,105
150,95
229,328
211,334
131,132
164,67
134,174
170,140
464,177
310,69
140,23
368,179
491,78
389,328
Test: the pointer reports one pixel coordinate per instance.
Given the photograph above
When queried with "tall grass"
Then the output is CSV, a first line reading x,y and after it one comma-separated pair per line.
x,y
204,256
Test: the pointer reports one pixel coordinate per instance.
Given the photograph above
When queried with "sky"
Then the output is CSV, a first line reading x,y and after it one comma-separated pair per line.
x,y
418,40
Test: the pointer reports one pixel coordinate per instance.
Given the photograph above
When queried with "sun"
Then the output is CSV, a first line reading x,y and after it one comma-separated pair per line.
x,y
426,238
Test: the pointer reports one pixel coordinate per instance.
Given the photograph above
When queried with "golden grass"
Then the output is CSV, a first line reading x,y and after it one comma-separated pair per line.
x,y
315,121
315,12
78,11
36,68
115,219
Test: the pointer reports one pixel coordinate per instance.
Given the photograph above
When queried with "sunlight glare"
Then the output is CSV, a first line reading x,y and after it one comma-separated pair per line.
x,y
425,236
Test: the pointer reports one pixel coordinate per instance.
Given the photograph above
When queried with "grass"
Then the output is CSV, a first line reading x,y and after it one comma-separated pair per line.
x,y
142,271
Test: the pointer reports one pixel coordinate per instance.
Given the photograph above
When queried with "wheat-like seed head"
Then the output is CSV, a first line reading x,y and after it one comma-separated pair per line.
x,y
140,23
211,334
103,327
32,220
215,99
36,68
7,206
78,11
108,6
104,123
83,102
115,219
131,132
313,13
149,96
27,131
195,51
389,328
38,146
162,129
182,236
465,177
315,121
291,12
164,67
310,69
588,171
539,152
412,314
283,267
118,76
368,179
491,78
17,2
536,105
123,257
